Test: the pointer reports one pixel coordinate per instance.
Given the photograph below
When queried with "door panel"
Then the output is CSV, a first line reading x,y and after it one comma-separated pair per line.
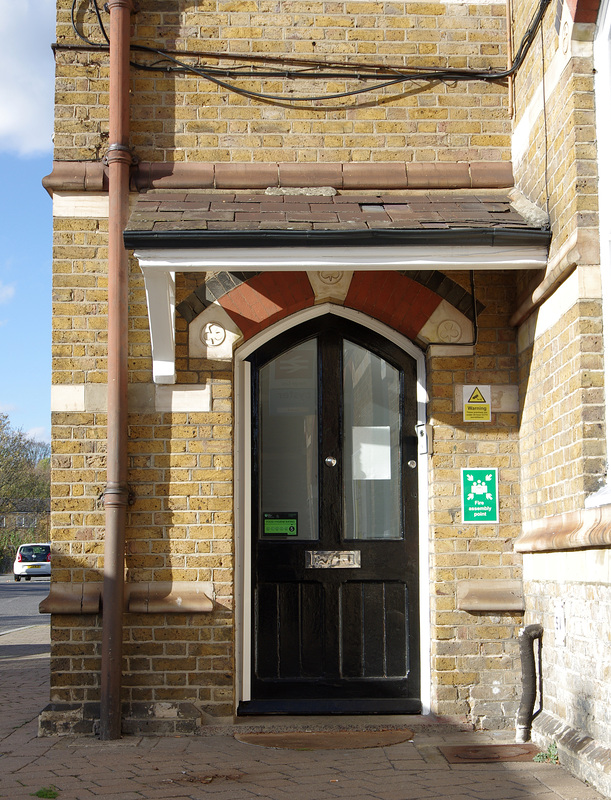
x,y
289,618
335,524
374,630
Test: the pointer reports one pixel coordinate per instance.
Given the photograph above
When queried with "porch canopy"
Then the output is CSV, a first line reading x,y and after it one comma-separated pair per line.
x,y
320,229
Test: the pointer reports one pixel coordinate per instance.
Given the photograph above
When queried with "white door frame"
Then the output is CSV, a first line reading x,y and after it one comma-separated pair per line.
x,y
242,490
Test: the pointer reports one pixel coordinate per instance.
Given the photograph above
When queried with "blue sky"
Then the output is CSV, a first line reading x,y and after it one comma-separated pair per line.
x,y
26,124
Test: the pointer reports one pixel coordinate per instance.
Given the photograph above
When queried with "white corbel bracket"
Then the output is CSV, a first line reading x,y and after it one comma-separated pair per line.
x,y
160,285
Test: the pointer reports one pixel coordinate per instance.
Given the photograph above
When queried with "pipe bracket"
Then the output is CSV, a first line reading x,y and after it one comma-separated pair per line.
x,y
121,153
117,495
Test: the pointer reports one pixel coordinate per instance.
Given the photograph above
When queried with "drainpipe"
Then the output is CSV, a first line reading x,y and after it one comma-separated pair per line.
x,y
529,635
116,493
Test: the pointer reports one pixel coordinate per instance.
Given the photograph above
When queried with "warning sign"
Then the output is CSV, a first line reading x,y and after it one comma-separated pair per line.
x,y
477,396
476,403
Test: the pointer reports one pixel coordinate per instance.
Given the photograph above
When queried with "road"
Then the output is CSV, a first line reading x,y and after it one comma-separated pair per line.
x,y
19,602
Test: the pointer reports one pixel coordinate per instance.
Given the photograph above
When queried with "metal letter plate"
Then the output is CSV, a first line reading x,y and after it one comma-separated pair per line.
x,y
333,559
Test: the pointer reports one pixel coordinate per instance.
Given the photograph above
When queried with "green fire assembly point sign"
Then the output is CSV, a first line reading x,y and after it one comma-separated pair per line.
x,y
480,495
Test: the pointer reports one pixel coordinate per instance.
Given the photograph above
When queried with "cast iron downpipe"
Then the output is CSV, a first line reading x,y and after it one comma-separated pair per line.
x,y
529,635
116,492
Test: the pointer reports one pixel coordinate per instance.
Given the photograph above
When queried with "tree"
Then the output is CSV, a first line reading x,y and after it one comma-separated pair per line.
x,y
24,466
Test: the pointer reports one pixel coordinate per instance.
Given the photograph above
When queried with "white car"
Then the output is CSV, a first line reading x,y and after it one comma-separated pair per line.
x,y
32,559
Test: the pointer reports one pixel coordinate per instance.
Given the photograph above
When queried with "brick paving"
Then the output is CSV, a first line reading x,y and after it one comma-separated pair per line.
x,y
218,767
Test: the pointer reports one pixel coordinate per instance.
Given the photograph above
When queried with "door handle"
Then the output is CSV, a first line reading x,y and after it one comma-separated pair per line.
x,y
330,461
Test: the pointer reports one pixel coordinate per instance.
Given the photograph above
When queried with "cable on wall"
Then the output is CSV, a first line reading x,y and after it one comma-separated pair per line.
x,y
303,69
545,135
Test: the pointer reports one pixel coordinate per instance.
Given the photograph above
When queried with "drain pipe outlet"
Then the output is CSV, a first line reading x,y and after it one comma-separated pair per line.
x,y
528,636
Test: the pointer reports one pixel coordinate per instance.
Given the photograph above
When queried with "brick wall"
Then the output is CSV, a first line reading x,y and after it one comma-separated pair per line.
x,y
562,431
184,117
180,474
180,525
562,435
555,161
475,656
571,598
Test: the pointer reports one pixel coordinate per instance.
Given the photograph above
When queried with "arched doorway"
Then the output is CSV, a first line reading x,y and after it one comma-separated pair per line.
x,y
332,601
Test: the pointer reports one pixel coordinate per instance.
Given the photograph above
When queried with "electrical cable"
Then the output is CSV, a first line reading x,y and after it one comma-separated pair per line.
x,y
99,18
310,69
545,131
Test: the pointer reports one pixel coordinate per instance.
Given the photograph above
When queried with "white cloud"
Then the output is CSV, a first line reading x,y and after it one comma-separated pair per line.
x,y
7,292
26,64
40,434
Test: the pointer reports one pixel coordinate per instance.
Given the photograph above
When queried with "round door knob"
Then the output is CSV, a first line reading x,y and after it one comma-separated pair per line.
x,y
330,461
412,464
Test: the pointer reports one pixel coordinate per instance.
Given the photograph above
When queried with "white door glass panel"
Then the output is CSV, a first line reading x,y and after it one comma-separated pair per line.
x,y
372,452
288,402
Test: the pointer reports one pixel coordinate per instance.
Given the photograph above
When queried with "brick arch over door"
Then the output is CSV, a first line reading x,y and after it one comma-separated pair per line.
x,y
584,10
404,302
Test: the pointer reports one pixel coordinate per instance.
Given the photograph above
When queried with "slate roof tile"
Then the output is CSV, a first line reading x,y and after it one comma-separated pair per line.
x,y
198,211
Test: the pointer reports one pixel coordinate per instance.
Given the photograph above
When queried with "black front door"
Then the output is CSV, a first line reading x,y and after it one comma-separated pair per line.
x,y
335,524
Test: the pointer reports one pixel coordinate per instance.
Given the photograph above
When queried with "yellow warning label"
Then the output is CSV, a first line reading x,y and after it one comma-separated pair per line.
x,y
476,412
476,397
476,403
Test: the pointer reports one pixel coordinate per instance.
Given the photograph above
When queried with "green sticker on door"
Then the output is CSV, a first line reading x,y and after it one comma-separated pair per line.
x,y
480,495
283,523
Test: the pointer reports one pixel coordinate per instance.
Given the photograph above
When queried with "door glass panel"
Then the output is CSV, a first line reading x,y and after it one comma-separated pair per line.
x,y
371,448
288,403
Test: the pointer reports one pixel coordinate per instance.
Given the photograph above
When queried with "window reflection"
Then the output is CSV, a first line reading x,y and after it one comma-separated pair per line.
x,y
372,453
289,434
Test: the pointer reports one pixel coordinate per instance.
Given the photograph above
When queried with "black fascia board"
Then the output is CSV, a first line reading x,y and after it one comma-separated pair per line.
x,y
202,239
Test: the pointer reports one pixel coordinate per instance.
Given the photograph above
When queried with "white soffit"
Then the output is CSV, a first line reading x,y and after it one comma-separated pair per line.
x,y
369,258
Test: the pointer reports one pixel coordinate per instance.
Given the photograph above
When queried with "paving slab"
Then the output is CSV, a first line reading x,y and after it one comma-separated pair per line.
x,y
216,766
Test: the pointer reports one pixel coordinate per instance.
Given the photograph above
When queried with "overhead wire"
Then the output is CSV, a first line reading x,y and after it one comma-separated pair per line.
x,y
385,76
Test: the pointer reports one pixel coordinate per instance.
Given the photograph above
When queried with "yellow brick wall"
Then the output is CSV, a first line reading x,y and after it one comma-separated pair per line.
x,y
179,528
79,301
176,657
562,430
187,118
180,525
559,167
475,658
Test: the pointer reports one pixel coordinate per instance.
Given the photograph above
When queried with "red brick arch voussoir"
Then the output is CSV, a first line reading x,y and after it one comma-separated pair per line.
x,y
392,298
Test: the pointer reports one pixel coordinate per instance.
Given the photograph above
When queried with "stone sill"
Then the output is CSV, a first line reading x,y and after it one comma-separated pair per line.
x,y
180,597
